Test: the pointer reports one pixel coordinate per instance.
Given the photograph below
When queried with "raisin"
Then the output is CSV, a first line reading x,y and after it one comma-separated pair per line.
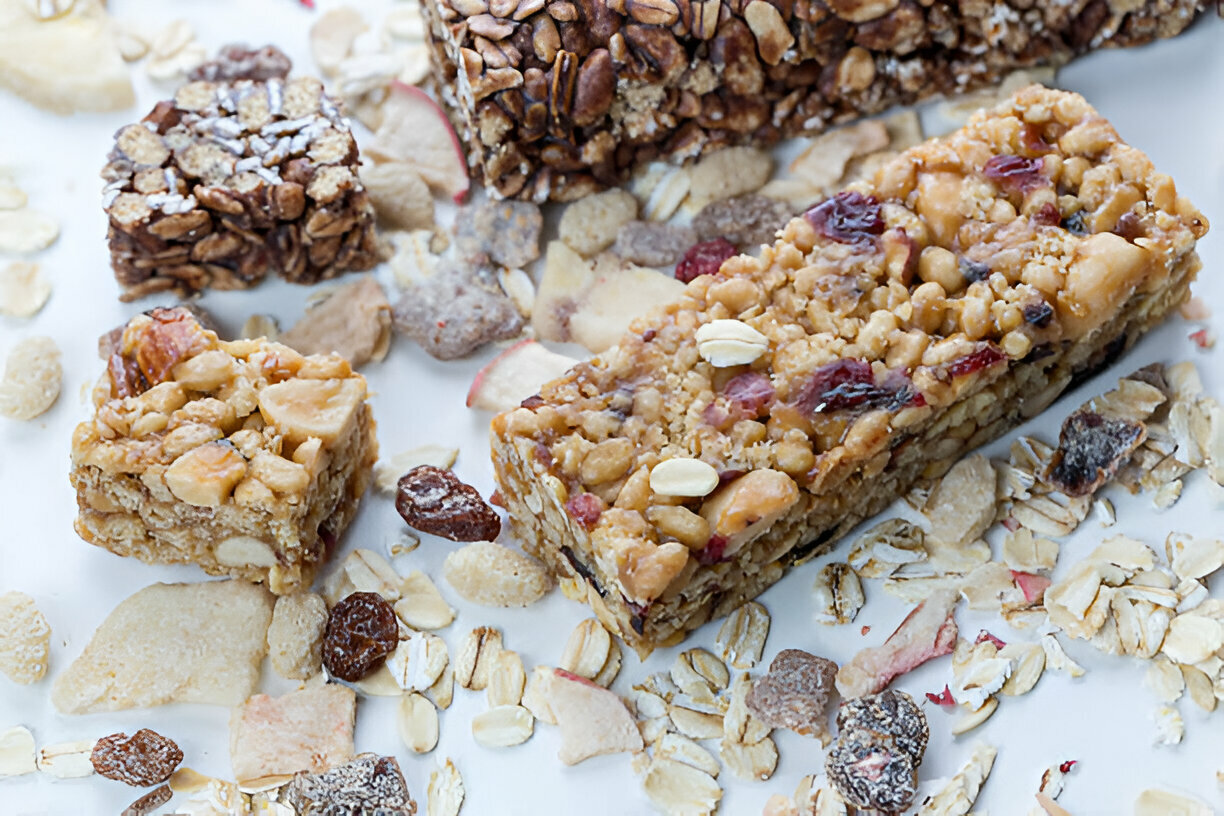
x,y
974,271
794,693
850,383
585,508
750,393
1016,174
1091,448
1038,313
143,759
433,500
705,258
361,631
236,61
848,218
1129,226
1047,215
714,550
1075,223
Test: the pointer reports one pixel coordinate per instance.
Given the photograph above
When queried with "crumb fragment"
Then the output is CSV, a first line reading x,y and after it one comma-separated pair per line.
x,y
491,574
354,320
25,639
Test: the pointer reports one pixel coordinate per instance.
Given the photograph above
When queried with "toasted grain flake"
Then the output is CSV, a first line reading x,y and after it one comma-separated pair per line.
x,y
367,571
695,724
502,726
25,231
1057,658
445,793
1194,557
1162,803
1192,638
957,797
682,749
1028,664
421,606
962,505
67,760
32,378
590,224
1052,514
667,195
587,650
476,657
611,666
823,163
23,289
739,724
700,675
520,288
741,637
506,680
417,721
17,754
490,574
1024,552
442,692
678,789
837,594
980,680
388,471
418,661
881,550
1200,687
726,173
1170,729
25,638
754,762
260,325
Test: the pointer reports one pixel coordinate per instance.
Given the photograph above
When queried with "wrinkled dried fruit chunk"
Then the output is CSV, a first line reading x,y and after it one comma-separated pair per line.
x,y
746,221
850,383
433,500
1091,448
870,771
143,759
1015,173
456,310
25,639
361,631
848,218
795,693
367,784
705,258
508,232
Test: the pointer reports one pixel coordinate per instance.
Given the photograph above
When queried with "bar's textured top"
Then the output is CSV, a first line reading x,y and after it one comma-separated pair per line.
x,y
893,327
557,97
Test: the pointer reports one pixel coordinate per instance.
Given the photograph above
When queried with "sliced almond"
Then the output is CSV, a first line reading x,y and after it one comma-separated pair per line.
x,y
417,721
676,788
506,680
503,726
445,793
67,760
1200,687
1028,661
421,606
476,658
742,635
17,754
587,650
755,762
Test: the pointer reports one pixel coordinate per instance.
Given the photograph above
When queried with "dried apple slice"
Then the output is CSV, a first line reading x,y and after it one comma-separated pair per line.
x,y
515,374
415,130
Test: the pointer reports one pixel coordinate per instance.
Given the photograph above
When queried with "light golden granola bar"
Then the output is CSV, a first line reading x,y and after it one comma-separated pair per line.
x,y
243,457
891,329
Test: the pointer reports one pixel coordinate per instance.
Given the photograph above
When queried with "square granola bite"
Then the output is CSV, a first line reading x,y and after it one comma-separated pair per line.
x,y
243,457
232,179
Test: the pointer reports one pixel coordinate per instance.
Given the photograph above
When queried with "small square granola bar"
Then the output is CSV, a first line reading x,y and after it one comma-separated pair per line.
x,y
243,457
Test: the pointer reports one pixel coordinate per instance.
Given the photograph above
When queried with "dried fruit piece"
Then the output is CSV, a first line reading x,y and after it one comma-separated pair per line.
x,y
433,500
746,221
353,320
361,631
445,791
491,574
593,720
456,309
32,378
367,784
415,130
927,632
795,693
25,639
848,218
17,754
143,759
1091,448
648,243
704,258
295,636
515,375
310,729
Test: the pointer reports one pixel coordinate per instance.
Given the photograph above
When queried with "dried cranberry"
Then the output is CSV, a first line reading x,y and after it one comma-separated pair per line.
x,y
1068,765
361,631
1031,585
848,218
1129,226
704,259
1016,173
974,271
984,357
943,698
585,508
433,500
851,383
713,551
1034,140
729,475
1047,215
143,759
750,393
984,636
533,402
1075,223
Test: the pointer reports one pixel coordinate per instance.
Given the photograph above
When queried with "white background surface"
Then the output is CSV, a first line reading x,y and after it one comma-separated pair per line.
x,y
1164,99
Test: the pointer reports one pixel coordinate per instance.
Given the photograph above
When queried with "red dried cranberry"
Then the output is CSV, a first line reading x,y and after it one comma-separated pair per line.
x,y
533,402
943,698
1047,215
704,259
750,392
585,508
851,383
984,357
713,551
1015,173
984,636
1031,585
1034,140
848,218
1068,765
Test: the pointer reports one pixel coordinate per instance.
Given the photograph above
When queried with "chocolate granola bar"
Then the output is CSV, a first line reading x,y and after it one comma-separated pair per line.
x,y
243,457
892,328
232,179
558,97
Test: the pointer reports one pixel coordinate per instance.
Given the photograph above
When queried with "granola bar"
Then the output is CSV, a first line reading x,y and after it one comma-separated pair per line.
x,y
243,457
892,328
232,179
556,98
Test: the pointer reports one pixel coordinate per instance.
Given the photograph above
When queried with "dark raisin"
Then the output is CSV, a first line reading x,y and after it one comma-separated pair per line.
x,y
705,258
714,550
1047,215
1038,313
1015,174
984,357
749,393
585,508
433,500
848,218
532,402
143,759
1075,223
850,383
1091,448
361,631
974,271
